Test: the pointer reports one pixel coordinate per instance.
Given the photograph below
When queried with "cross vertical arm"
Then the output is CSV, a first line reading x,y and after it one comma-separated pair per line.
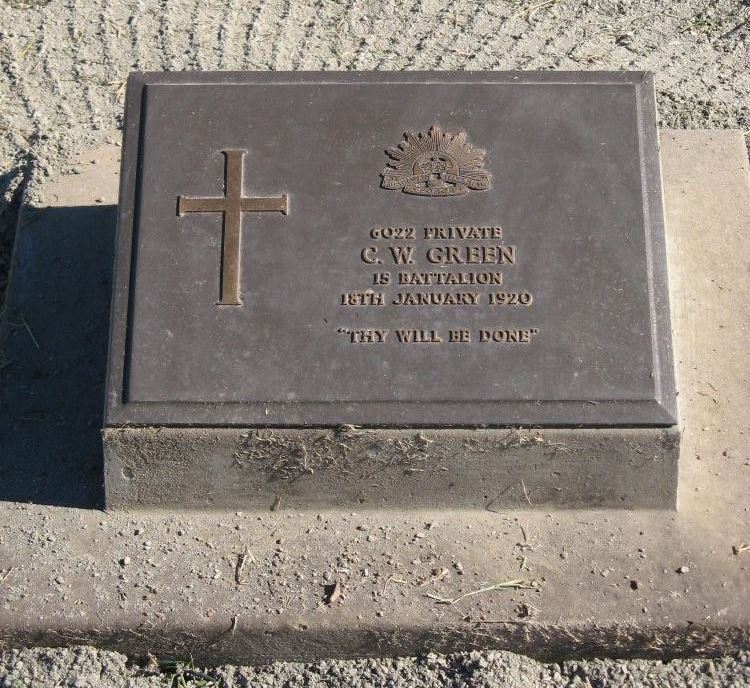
x,y
231,236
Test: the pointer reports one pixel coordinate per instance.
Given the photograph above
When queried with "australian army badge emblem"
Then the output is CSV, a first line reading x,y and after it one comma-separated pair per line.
x,y
435,164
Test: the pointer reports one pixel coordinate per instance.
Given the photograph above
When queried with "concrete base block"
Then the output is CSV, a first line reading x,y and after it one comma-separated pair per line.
x,y
255,587
281,582
348,467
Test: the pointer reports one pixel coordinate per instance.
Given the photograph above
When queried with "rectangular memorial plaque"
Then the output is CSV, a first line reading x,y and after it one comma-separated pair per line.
x,y
402,250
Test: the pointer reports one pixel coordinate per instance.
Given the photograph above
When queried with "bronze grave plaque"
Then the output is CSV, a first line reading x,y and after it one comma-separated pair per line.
x,y
403,250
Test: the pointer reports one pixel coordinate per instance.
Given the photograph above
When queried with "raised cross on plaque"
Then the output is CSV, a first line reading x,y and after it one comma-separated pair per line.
x,y
232,205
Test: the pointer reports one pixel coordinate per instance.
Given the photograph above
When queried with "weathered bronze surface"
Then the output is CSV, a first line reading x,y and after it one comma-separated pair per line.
x,y
468,249
232,205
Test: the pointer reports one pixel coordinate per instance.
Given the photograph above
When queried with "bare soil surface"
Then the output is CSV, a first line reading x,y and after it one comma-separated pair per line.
x,y
84,667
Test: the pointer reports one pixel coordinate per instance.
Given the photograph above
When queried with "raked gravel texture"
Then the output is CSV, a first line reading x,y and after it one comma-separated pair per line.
x,y
64,63
63,66
84,667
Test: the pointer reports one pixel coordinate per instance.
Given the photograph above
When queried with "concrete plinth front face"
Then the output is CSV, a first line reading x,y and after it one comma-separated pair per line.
x,y
347,467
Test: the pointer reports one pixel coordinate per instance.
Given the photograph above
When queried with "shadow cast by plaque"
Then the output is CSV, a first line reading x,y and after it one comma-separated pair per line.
x,y
53,356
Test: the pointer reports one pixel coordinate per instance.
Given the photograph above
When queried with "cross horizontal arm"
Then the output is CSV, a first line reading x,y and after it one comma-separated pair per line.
x,y
260,205
190,204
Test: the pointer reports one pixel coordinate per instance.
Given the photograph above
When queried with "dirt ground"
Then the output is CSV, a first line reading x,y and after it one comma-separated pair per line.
x,y
84,667
63,66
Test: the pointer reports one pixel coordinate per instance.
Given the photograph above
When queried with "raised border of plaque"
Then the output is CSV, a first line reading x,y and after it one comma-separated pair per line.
x,y
657,411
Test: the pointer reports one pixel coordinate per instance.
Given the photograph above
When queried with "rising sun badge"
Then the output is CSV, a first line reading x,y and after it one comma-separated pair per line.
x,y
435,164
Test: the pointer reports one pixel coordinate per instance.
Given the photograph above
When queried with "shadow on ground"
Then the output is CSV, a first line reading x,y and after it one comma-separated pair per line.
x,y
53,350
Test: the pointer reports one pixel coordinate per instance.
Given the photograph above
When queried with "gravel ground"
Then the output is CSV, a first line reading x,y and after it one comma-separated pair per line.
x,y
64,62
81,667
63,66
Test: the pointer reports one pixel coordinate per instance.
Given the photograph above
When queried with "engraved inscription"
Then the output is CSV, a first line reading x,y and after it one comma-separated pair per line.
x,y
231,206
435,164
456,269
